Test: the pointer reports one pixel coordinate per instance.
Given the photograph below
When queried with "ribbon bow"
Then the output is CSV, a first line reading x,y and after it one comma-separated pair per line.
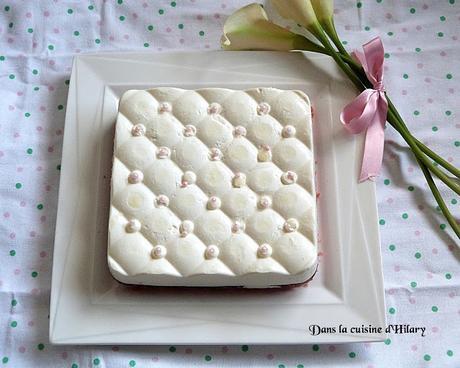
x,y
369,110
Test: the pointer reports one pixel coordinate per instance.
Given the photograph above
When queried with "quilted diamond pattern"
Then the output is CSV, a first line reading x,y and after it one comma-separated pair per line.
x,y
236,166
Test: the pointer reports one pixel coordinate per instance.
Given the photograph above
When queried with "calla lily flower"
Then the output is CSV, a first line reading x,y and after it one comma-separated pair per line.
x,y
249,29
324,9
300,11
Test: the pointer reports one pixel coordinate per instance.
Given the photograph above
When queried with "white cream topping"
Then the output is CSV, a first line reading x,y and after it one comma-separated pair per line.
x,y
226,184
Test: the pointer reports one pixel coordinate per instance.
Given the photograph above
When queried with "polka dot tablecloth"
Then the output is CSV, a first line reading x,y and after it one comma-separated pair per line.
x,y
420,255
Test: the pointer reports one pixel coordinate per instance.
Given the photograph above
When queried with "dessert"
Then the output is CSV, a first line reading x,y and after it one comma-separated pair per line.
x,y
213,187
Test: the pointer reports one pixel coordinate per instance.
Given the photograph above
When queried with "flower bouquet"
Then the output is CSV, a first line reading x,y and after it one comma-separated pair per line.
x,y
250,29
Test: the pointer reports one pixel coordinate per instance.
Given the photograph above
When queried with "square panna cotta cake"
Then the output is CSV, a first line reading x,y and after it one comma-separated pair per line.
x,y
213,187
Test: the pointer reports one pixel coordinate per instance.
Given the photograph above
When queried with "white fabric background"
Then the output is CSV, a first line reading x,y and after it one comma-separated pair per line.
x,y
37,41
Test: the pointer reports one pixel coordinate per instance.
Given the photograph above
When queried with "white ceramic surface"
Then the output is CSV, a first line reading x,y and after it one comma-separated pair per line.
x,y
89,307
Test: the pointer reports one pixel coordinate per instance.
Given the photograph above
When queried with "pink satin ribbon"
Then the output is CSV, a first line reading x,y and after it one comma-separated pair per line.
x,y
368,112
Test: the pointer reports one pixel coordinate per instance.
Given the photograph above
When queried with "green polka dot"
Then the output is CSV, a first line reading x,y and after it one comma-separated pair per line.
x,y
27,114
449,76
427,357
453,201
390,33
405,216
172,349
452,2
50,47
29,151
457,143
418,255
18,185
344,42
58,167
97,40
150,27
442,226
11,76
120,2
315,347
416,113
405,76
382,222
34,71
74,365
161,11
392,310
30,30
410,188
201,33
36,88
359,4
180,26
387,341
67,82
300,366
40,346
434,128
438,208
412,10
39,206
91,7
76,33
12,253
5,360
96,361
34,274
69,11
386,182
14,324
367,28
448,112
208,358
132,363
442,18
10,25
60,107
7,8
281,366
434,308
352,354
14,302
413,284
146,44
245,348
386,55
2,58
418,49
440,34
122,18
448,276
449,353
392,247
173,4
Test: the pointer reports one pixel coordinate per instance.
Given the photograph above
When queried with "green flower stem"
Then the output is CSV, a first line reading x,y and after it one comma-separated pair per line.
x,y
442,205
441,161
329,27
397,122
322,37
434,189
444,163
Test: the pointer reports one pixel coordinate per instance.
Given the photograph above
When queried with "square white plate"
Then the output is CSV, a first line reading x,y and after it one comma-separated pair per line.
x,y
89,307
